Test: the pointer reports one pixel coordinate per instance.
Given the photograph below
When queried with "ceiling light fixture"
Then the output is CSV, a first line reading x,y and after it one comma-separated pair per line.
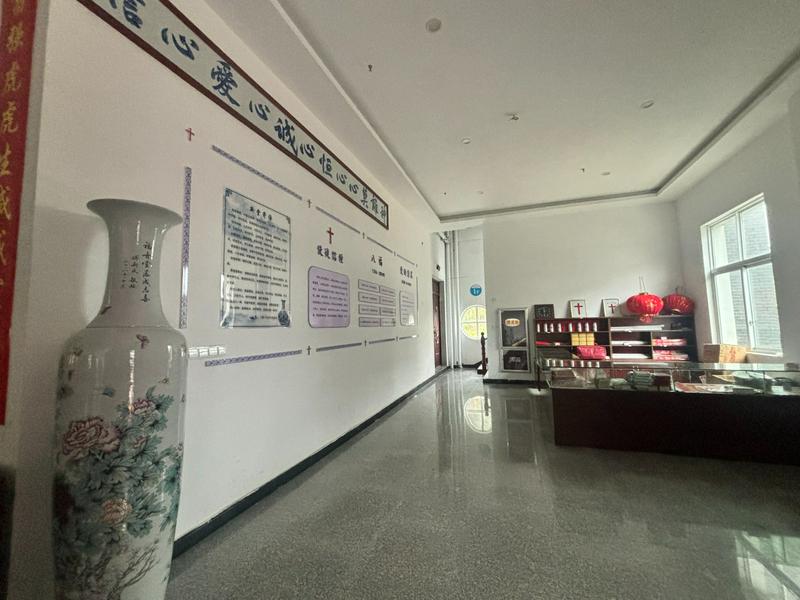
x,y
513,116
647,104
466,141
433,25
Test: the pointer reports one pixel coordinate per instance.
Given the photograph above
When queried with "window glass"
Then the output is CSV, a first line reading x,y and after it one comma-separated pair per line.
x,y
755,231
725,242
473,321
764,303
731,312
741,278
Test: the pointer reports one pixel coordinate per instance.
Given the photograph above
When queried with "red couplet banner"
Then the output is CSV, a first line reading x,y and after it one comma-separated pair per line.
x,y
17,22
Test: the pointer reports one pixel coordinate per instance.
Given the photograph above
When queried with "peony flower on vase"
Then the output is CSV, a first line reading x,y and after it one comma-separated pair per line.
x,y
115,511
82,437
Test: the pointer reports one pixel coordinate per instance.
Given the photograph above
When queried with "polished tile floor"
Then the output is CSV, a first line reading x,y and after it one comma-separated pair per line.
x,y
460,493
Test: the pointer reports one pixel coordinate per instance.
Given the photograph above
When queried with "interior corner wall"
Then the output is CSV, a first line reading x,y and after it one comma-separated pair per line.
x,y
767,165
113,124
587,253
470,272
438,260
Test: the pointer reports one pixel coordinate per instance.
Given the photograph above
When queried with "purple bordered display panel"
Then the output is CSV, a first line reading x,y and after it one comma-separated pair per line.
x,y
328,298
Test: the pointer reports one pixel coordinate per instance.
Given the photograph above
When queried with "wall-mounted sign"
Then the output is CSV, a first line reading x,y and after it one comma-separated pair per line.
x,y
544,311
255,265
328,298
408,308
166,34
475,289
16,47
511,322
377,305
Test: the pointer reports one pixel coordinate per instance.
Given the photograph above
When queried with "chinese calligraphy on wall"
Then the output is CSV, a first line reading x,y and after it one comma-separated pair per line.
x,y
158,29
16,47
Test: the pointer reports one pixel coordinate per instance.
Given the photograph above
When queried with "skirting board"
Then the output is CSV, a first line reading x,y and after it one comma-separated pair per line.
x,y
189,539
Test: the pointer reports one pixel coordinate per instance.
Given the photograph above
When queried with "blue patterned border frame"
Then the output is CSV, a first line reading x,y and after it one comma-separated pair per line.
x,y
183,314
374,241
253,357
339,347
383,341
256,172
337,219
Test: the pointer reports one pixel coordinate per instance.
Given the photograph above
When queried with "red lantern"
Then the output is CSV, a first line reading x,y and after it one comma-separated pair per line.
x,y
645,305
678,304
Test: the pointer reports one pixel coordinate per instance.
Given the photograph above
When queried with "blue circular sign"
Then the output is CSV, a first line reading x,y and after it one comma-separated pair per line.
x,y
475,289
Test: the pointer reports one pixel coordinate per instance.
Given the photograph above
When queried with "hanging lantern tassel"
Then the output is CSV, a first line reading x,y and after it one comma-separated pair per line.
x,y
644,304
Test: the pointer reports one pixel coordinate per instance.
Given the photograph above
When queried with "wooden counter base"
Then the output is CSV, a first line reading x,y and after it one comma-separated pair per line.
x,y
739,427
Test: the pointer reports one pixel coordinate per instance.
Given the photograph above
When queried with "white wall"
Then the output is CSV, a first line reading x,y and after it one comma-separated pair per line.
x,y
588,253
438,253
469,249
113,123
767,165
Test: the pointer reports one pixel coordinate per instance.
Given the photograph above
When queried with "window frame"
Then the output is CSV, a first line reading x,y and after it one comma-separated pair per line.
x,y
742,265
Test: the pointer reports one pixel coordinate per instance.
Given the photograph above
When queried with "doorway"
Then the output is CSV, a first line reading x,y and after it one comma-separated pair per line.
x,y
437,323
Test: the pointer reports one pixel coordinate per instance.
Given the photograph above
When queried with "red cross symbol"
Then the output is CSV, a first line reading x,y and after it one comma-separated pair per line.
x,y
330,235
190,133
579,306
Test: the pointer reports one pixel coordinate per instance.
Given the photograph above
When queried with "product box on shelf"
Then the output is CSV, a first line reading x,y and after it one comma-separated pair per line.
x,y
724,353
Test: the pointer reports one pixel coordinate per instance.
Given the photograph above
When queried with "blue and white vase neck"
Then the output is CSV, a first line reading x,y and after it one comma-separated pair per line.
x,y
135,233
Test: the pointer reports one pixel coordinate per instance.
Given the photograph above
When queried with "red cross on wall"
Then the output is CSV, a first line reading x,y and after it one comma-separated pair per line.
x,y
330,235
579,306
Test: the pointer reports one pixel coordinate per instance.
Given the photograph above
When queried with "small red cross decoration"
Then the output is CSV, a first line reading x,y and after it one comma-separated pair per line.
x,y
330,235
190,133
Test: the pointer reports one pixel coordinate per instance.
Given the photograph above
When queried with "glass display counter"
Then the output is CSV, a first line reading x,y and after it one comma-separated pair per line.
x,y
732,411
681,377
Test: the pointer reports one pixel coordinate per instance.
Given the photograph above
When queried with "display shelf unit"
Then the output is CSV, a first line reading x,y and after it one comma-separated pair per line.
x,y
667,338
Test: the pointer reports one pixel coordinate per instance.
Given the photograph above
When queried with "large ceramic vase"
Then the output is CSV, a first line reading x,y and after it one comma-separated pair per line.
x,y
119,425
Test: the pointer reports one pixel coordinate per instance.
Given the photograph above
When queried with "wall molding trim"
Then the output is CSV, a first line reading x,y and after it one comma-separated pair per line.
x,y
194,536
769,84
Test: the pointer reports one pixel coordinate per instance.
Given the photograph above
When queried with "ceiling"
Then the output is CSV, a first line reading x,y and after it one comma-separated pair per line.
x,y
575,71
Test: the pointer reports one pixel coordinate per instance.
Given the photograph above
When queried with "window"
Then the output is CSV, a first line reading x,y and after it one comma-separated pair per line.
x,y
473,321
740,279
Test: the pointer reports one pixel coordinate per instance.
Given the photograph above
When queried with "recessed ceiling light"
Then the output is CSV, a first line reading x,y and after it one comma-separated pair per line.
x,y
647,104
466,140
605,173
433,25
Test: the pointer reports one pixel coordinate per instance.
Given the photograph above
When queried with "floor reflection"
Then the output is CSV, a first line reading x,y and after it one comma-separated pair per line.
x,y
769,566
461,493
